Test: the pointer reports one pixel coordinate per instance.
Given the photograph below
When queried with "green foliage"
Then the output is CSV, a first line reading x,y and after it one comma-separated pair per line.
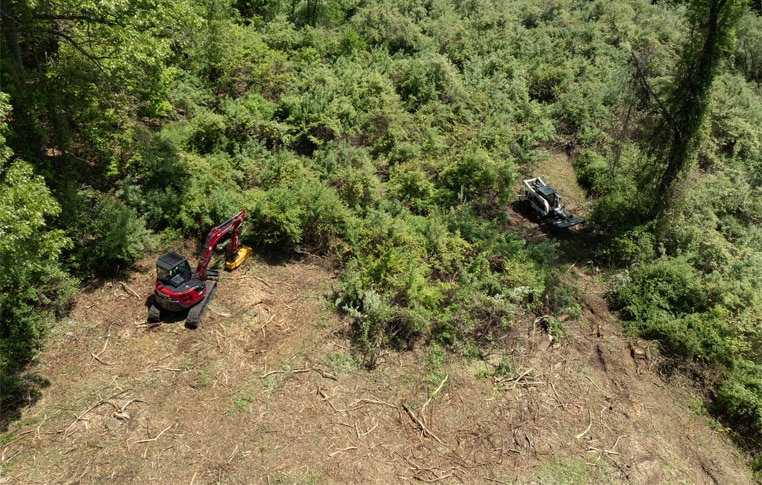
x,y
413,185
82,72
701,307
382,25
235,59
630,247
679,133
428,78
593,172
739,398
478,179
662,290
736,134
206,132
33,285
350,171
110,235
748,49
301,213
370,314
249,118
427,281
341,363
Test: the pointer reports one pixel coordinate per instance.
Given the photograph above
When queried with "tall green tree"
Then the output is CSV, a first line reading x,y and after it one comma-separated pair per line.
x,y
32,283
678,133
78,70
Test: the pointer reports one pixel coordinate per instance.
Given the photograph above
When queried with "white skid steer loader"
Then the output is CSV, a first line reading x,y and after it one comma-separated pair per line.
x,y
543,205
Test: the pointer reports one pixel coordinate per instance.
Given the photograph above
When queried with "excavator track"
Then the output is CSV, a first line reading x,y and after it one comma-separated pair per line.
x,y
196,313
154,314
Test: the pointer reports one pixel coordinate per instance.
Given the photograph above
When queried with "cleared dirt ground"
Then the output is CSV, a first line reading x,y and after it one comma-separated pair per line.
x,y
267,391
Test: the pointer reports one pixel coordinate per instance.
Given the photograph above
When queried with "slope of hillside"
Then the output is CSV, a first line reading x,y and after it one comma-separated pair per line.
x,y
267,390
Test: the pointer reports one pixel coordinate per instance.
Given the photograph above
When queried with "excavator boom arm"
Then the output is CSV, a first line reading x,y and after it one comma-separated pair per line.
x,y
215,234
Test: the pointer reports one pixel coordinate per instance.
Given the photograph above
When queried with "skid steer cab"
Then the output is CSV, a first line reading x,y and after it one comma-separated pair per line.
x,y
178,288
543,205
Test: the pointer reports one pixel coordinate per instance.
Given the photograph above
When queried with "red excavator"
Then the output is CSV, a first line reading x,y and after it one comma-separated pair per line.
x,y
178,289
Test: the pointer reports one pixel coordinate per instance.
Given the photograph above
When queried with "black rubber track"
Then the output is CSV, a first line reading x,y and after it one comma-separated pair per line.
x,y
196,313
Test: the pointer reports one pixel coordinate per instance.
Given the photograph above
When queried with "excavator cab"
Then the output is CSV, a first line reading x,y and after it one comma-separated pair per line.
x,y
173,269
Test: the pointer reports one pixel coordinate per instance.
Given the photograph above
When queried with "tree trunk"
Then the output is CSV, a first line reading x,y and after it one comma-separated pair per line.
x,y
28,140
690,96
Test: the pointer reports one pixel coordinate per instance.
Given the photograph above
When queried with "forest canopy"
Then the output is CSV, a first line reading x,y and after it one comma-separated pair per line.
x,y
387,137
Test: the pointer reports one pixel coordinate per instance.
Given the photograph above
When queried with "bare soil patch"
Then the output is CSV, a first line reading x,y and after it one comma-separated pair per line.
x,y
267,390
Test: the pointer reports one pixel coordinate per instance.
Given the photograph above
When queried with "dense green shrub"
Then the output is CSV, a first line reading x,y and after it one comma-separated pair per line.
x,y
662,290
383,25
739,397
411,184
251,118
303,215
210,191
478,179
748,58
350,171
206,132
593,172
33,284
109,236
436,285
425,79
630,247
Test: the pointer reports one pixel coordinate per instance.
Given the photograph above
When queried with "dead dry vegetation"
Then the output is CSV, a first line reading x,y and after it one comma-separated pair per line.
x,y
267,390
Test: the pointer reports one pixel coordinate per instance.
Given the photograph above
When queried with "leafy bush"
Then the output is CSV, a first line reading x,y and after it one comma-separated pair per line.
x,y
748,58
425,79
434,283
383,25
478,179
630,247
371,314
305,215
662,290
206,132
739,397
33,285
350,171
110,236
592,172
210,191
251,118
411,184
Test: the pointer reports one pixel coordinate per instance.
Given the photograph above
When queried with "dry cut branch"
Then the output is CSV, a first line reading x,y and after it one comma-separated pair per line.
x,y
98,355
439,388
157,436
130,290
590,418
82,416
423,428
342,450
322,373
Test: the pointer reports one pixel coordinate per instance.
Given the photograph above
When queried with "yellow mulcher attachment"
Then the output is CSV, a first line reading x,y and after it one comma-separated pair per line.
x,y
243,253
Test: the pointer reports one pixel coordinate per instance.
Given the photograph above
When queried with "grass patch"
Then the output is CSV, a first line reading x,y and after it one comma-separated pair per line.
x,y
564,471
341,363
